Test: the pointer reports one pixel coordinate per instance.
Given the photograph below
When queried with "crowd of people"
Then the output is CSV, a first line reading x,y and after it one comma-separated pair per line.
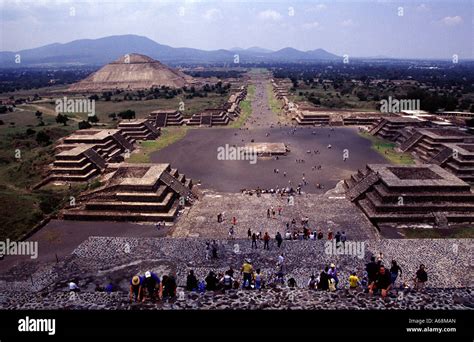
x,y
377,279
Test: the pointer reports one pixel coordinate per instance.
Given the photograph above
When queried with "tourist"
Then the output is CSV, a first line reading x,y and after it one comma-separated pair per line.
x,y
211,281
249,233
332,272
323,283
371,269
234,220
278,239
247,271
191,282
266,241
279,211
136,288
421,278
330,235
281,259
214,249
151,284
337,237
168,289
343,237
227,282
231,232
254,240
353,281
312,282
208,250
73,287
382,282
219,218
268,213
395,271
230,272
292,283
320,234
258,280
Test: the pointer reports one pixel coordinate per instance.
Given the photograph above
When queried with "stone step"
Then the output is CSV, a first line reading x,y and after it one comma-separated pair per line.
x,y
131,206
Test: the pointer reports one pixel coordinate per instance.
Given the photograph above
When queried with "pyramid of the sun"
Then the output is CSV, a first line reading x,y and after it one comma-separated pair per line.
x,y
132,71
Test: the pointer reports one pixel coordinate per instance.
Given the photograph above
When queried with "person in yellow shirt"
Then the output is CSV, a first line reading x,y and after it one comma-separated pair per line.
x,y
353,281
247,270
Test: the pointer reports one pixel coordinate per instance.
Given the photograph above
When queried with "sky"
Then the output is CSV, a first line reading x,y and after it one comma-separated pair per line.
x,y
399,29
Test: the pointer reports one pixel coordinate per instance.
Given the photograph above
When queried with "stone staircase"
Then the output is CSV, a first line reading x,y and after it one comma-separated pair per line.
x,y
374,130
358,189
407,144
442,157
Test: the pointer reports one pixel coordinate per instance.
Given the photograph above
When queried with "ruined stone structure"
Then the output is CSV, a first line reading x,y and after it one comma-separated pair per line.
x,y
390,127
132,72
135,192
209,117
110,144
427,142
458,158
78,164
166,117
139,129
400,194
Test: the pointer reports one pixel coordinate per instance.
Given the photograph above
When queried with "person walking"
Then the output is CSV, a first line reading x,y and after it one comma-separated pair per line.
x,y
421,278
279,239
254,240
395,271
266,241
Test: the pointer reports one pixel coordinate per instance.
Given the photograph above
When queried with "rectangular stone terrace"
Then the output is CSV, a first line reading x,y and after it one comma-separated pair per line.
x,y
266,149
134,192
403,194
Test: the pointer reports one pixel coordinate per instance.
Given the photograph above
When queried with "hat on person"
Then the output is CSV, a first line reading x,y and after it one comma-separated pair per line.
x,y
147,274
72,286
135,280
332,265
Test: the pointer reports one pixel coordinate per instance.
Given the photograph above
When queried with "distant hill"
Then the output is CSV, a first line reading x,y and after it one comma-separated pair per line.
x,y
104,50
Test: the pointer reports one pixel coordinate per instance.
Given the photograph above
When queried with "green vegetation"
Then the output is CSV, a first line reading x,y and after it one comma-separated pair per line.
x,y
451,233
275,104
245,108
387,149
25,151
169,136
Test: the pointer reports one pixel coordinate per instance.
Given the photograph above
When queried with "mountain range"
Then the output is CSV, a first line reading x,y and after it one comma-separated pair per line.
x,y
97,52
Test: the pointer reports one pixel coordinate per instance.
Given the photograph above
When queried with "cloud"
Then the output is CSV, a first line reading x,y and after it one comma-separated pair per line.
x,y
347,23
422,8
269,15
452,21
312,25
212,14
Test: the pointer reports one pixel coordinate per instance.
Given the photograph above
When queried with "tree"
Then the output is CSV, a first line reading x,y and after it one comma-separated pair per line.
x,y
39,114
113,116
61,118
84,125
127,114
93,119
42,138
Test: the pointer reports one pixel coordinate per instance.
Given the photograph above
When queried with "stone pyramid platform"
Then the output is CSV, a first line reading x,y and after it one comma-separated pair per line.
x,y
166,117
139,129
390,127
411,194
134,192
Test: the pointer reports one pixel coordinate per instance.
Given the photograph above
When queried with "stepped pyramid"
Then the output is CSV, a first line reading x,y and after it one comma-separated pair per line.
x,y
132,72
